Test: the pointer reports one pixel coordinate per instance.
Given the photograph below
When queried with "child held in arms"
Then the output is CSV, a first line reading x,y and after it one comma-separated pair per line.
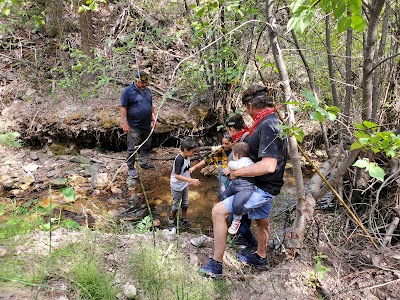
x,y
240,187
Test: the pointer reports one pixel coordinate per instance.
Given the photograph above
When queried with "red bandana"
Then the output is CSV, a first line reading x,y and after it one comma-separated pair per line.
x,y
237,136
258,117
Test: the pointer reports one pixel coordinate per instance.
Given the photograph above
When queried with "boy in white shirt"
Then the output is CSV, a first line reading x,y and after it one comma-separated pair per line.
x,y
240,187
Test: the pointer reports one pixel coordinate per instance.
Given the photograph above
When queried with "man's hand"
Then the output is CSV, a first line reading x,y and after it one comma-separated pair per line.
x,y
125,127
234,174
192,169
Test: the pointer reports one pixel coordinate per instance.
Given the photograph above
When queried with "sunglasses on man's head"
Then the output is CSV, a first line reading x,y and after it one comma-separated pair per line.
x,y
144,78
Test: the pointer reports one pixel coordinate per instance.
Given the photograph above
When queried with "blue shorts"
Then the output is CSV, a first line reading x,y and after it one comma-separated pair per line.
x,y
258,206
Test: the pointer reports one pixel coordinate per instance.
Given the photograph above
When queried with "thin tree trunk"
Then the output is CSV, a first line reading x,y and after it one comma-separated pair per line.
x,y
305,207
54,17
370,58
87,31
313,89
330,61
349,87
377,83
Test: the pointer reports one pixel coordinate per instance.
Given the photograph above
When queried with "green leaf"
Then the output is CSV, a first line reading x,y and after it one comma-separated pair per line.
x,y
316,115
362,163
297,6
70,224
292,24
360,126
339,10
355,145
311,98
354,7
369,124
2,209
343,24
327,115
358,23
69,193
326,5
376,172
298,134
333,109
45,227
200,12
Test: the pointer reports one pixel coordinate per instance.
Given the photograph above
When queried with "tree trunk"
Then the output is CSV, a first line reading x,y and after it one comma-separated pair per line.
x,y
304,214
379,81
370,49
87,32
54,17
349,87
330,61
313,89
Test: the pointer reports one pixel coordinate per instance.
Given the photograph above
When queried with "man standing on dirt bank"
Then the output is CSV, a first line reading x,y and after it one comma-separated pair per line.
x,y
267,145
137,114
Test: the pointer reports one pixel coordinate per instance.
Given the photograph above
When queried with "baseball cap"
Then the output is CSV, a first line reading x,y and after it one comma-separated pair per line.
x,y
141,76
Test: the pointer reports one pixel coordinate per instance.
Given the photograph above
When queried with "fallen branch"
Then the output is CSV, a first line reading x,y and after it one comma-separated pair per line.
x,y
389,232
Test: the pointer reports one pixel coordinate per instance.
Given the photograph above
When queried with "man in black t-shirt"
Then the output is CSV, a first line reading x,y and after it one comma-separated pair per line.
x,y
269,148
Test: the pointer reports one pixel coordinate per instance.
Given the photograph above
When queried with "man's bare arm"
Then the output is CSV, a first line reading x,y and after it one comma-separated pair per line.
x,y
124,119
265,166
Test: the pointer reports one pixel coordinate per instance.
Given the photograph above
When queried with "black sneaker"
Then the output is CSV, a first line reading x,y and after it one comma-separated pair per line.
x,y
251,258
185,223
171,221
147,166
212,269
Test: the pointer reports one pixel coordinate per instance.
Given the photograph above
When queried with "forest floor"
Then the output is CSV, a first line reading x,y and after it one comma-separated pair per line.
x,y
351,271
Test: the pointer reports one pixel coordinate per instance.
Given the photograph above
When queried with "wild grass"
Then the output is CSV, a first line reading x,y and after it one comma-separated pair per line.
x,y
165,274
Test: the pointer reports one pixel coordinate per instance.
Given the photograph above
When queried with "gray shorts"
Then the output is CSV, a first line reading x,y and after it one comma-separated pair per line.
x,y
258,206
180,198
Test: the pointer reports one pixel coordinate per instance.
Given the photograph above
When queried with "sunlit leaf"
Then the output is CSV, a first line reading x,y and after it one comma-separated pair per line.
x,y
343,24
369,124
355,145
311,98
70,224
316,115
69,193
361,163
377,172
358,23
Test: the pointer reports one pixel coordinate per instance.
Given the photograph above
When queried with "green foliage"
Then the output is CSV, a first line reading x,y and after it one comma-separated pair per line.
x,y
10,139
370,138
144,225
316,112
93,280
29,13
164,274
21,219
348,13
318,274
99,69
90,5
371,167
69,193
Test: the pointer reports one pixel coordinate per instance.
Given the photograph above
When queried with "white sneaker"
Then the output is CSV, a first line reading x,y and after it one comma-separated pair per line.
x,y
233,229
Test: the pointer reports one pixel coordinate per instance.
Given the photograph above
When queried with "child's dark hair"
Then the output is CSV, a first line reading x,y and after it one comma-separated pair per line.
x,y
241,149
236,121
228,137
188,144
